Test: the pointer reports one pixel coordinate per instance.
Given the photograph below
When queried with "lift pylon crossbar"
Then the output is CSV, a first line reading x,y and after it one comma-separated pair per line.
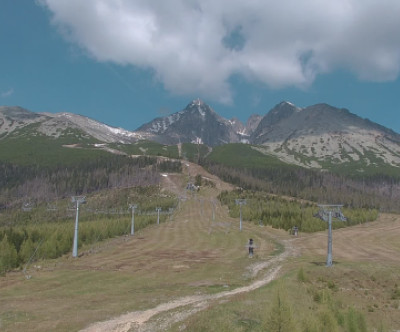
x,y
326,213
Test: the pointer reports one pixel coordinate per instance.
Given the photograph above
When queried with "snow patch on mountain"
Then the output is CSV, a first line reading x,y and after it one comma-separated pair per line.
x,y
202,113
298,109
159,126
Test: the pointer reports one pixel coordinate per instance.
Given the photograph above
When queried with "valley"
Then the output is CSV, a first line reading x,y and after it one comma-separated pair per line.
x,y
199,166
182,273
188,269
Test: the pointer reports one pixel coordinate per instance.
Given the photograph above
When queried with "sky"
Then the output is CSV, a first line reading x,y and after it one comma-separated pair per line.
x,y
126,62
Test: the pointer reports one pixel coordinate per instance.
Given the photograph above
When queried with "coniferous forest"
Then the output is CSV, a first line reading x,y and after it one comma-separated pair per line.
x,y
32,223
376,191
22,183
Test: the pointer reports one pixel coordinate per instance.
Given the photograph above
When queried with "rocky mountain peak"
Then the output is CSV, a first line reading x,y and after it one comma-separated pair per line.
x,y
17,113
276,115
198,122
252,122
283,109
197,102
199,108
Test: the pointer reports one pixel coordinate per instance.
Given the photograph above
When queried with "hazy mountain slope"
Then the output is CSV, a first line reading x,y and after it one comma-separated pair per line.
x,y
96,129
322,134
318,136
53,125
12,118
252,123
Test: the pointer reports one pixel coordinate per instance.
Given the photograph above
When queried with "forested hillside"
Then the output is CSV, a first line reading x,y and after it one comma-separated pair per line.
x,y
43,231
284,213
30,183
248,168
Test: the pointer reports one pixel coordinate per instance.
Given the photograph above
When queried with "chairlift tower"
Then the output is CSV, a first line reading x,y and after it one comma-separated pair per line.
x,y
240,202
133,207
78,200
326,213
213,203
158,209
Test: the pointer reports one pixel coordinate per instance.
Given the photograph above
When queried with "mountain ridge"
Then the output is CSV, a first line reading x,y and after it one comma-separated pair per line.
x,y
313,136
53,124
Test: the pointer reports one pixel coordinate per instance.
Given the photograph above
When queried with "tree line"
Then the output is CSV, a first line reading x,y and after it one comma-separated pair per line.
x,y
375,192
22,244
39,184
284,213
41,234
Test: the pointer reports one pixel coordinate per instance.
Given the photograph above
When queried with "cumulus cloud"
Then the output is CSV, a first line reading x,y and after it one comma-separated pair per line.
x,y
196,46
8,93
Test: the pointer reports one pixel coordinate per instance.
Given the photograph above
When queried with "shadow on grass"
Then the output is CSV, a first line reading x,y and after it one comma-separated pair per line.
x,y
324,263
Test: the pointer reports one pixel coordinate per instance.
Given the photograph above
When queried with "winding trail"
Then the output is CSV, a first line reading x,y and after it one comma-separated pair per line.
x,y
165,314
140,320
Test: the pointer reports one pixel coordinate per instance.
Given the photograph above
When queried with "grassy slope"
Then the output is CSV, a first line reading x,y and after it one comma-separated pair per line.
x,y
25,148
244,156
194,254
148,148
189,151
335,296
193,152
190,254
363,280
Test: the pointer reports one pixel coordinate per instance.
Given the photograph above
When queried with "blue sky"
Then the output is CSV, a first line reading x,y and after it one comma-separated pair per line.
x,y
126,62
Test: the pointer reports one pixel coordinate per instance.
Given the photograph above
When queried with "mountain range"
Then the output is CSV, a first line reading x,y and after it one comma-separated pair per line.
x,y
313,137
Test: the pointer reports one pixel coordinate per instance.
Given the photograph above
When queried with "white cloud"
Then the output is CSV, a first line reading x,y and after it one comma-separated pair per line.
x,y
8,93
195,46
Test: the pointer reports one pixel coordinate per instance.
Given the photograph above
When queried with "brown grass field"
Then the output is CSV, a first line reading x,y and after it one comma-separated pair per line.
x,y
167,275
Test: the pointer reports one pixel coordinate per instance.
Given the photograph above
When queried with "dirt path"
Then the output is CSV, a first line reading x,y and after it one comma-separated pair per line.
x,y
375,241
139,320
179,309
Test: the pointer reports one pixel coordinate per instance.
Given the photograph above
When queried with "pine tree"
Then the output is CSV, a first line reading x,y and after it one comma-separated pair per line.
x,y
280,317
8,255
26,251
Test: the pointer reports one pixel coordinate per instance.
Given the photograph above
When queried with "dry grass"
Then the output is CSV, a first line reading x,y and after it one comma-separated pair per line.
x,y
364,278
190,254
194,254
370,242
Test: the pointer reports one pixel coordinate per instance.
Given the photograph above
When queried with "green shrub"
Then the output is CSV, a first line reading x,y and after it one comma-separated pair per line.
x,y
301,276
8,255
280,318
355,321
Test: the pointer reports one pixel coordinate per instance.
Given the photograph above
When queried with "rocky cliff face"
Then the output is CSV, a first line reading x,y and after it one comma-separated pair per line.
x,y
197,123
